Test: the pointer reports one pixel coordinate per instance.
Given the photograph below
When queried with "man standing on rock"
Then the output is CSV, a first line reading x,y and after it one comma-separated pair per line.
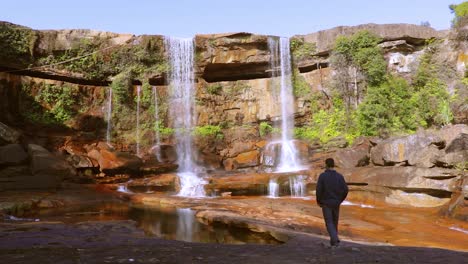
x,y
331,192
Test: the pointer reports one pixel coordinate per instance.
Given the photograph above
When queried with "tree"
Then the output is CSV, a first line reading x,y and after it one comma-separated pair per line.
x,y
358,62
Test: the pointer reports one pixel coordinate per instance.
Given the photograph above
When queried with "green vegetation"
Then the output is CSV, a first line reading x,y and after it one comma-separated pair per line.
x,y
121,86
97,58
17,44
265,129
460,11
300,87
53,105
387,108
238,87
214,88
366,100
162,130
361,51
209,131
301,49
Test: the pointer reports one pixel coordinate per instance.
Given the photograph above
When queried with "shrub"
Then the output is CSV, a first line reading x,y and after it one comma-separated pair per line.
x,y
301,49
208,131
265,129
214,88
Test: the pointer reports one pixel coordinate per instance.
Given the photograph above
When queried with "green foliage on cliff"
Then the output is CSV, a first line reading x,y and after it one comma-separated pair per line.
x,y
300,87
431,99
208,131
121,86
98,58
53,105
214,88
162,130
388,108
361,50
16,43
325,126
265,129
301,49
460,11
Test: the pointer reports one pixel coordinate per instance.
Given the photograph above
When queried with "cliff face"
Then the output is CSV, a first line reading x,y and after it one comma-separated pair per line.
x,y
233,80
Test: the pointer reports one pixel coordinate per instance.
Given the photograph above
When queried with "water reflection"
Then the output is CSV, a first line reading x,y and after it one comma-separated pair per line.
x,y
168,223
182,224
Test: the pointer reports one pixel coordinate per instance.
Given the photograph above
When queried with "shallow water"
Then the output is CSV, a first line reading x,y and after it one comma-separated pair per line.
x,y
167,223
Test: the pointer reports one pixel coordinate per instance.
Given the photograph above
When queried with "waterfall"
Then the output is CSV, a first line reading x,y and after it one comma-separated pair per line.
x,y
157,124
288,160
138,121
297,185
109,116
181,108
273,188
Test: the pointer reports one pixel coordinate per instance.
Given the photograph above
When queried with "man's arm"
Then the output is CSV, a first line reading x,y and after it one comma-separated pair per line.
x,y
345,189
319,190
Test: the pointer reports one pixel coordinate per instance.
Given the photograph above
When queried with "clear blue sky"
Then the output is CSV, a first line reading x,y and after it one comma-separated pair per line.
x,y
185,18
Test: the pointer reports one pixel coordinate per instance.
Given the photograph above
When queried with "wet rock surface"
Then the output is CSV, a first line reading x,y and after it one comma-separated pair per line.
x,y
121,241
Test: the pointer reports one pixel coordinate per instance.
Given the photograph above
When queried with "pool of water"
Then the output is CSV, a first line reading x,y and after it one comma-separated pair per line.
x,y
167,223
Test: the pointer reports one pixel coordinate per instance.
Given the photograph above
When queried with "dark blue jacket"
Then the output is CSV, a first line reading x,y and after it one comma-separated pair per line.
x,y
331,188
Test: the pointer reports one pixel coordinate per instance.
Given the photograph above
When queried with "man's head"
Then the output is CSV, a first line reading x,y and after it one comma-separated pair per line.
x,y
329,163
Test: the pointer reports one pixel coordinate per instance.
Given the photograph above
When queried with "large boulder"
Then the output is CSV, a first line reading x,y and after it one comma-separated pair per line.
x,y
356,156
82,162
114,162
449,133
405,150
243,160
455,153
439,180
45,164
8,135
12,154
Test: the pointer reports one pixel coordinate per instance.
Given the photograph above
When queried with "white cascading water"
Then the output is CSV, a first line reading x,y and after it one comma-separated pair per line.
x,y
288,158
109,116
297,185
156,121
138,121
181,108
273,188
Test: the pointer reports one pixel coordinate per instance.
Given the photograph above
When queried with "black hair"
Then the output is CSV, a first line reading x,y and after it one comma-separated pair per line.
x,y
329,163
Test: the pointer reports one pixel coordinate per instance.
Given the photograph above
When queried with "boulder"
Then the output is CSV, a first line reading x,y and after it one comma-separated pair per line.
x,y
356,156
12,154
82,162
439,180
399,150
458,159
425,158
114,162
459,143
247,159
449,133
46,164
8,135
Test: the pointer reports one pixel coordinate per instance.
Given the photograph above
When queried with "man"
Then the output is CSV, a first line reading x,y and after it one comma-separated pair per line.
x,y
331,192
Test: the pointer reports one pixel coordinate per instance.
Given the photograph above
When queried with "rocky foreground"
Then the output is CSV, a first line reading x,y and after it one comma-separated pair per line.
x,y
122,241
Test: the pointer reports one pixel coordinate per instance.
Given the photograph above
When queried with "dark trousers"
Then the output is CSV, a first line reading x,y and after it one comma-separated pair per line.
x,y
331,215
